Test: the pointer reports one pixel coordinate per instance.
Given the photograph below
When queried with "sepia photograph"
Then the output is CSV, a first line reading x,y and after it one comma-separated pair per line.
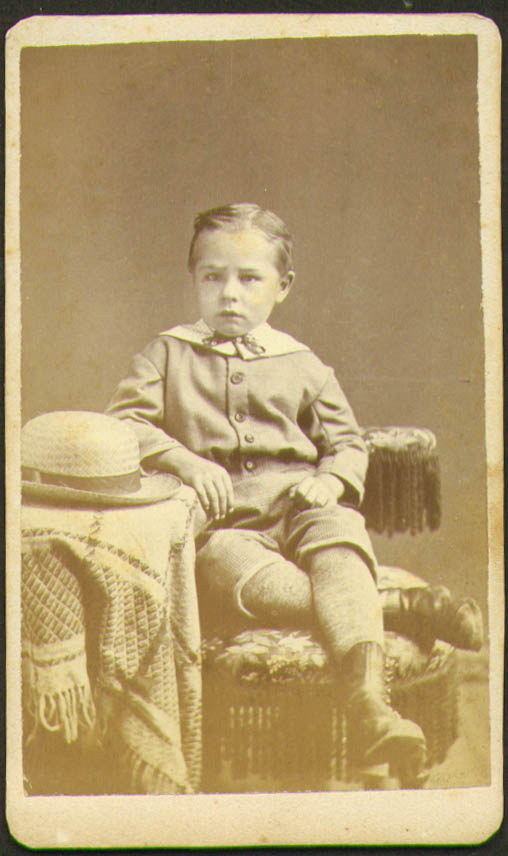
x,y
254,436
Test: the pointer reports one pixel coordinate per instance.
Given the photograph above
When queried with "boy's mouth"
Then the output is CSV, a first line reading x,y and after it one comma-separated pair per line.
x,y
230,313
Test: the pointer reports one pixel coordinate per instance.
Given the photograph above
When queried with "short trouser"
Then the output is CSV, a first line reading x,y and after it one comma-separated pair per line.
x,y
268,524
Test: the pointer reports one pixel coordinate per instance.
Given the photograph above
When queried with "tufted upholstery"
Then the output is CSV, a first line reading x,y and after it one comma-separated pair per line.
x,y
273,712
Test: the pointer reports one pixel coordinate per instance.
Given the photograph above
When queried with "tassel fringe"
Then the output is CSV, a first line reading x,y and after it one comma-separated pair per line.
x,y
64,710
402,491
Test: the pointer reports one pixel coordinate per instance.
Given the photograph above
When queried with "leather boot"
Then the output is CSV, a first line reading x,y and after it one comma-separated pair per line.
x,y
429,613
377,733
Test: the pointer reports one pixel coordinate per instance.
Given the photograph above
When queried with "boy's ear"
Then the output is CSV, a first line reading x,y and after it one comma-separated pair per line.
x,y
285,285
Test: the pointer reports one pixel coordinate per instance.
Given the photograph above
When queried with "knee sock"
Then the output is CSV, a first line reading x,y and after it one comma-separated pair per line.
x,y
342,599
279,595
346,602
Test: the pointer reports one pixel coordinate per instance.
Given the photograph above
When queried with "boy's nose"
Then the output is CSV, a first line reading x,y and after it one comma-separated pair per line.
x,y
231,286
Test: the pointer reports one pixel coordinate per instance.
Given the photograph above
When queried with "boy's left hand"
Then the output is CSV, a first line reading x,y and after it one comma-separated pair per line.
x,y
318,490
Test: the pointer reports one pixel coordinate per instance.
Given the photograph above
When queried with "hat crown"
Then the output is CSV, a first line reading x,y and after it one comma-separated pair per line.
x,y
79,443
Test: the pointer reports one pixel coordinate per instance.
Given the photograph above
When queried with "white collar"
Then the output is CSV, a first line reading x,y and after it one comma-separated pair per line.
x,y
274,342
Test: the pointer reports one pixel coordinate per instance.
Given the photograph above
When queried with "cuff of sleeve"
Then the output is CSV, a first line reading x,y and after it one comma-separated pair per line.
x,y
156,449
353,492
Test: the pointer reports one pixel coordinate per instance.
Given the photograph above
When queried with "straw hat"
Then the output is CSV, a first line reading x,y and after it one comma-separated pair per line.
x,y
87,458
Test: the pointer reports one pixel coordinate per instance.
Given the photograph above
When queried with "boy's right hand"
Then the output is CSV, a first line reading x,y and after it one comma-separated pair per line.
x,y
211,482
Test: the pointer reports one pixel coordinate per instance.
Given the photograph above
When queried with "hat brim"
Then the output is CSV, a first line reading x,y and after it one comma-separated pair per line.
x,y
155,488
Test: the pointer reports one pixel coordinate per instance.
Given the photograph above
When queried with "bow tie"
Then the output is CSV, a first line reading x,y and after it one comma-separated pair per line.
x,y
249,342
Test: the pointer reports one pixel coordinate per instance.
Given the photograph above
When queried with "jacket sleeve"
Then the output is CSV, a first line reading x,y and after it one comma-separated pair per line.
x,y
140,400
335,432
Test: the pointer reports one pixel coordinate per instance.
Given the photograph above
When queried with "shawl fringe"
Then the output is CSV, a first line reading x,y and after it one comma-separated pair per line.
x,y
63,710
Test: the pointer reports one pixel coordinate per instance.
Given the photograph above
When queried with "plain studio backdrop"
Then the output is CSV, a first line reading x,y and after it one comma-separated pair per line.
x,y
366,147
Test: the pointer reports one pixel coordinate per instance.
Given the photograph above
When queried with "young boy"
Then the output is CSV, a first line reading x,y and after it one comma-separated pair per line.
x,y
260,428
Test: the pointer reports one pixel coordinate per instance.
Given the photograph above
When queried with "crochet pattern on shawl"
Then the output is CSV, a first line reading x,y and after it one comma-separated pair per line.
x,y
110,635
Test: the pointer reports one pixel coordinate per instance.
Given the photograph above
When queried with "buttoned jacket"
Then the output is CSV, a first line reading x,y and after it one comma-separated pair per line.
x,y
236,407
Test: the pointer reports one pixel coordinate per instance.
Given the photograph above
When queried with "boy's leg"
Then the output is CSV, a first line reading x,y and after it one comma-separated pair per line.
x,y
345,597
349,612
251,583
280,595
331,544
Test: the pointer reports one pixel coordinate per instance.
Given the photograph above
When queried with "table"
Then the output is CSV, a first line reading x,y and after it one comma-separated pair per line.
x,y
110,637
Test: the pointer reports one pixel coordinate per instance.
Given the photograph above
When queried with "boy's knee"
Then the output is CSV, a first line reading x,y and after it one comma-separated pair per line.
x,y
330,528
220,546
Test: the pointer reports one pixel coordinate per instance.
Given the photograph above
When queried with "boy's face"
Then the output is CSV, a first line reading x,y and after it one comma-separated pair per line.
x,y
237,279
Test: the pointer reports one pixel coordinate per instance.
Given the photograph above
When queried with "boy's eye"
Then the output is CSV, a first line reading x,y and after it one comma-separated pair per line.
x,y
212,277
250,277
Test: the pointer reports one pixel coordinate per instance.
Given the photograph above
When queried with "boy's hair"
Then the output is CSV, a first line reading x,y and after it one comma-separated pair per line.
x,y
246,215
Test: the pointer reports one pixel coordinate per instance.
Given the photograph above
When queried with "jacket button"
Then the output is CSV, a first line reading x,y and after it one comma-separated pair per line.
x,y
240,417
249,438
250,465
237,377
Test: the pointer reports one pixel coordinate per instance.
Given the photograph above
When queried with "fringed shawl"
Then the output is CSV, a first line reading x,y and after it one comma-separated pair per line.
x,y
110,636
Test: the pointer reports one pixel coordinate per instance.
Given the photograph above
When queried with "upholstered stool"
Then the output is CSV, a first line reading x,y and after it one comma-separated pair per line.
x,y
274,719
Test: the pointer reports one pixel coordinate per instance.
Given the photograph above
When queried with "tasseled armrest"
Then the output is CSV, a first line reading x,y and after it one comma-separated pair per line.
x,y
402,488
